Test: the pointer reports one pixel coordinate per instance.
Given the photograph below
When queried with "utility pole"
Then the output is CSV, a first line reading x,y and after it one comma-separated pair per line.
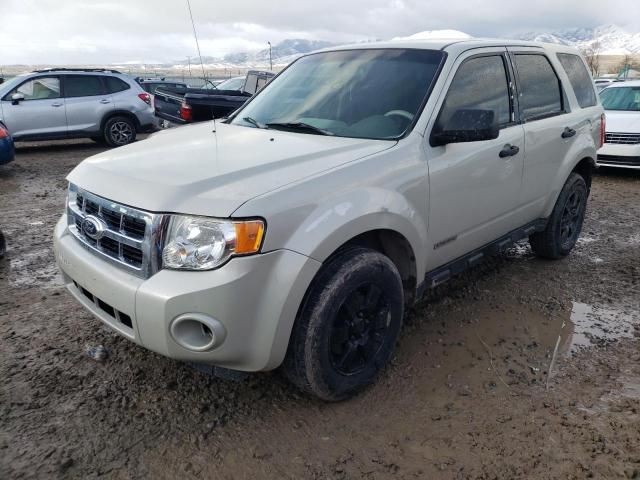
x,y
189,61
270,60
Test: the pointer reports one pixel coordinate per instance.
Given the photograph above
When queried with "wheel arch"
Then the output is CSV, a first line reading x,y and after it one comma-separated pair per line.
x,y
585,169
584,165
393,245
119,113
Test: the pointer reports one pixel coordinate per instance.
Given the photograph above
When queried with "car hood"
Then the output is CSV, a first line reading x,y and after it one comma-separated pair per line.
x,y
207,169
622,122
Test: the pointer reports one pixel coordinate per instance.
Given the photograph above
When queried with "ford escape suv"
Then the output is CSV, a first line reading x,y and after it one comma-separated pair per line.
x,y
52,104
295,233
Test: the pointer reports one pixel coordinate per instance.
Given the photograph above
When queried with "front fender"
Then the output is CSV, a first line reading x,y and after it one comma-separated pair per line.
x,y
318,230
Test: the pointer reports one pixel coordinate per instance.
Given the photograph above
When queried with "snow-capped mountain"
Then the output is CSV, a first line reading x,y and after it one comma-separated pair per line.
x,y
612,40
282,53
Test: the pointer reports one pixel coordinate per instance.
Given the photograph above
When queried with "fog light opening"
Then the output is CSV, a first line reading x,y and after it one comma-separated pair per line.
x,y
197,332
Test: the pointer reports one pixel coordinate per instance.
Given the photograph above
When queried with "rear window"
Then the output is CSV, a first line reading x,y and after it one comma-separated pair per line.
x,y
82,86
579,78
540,93
115,85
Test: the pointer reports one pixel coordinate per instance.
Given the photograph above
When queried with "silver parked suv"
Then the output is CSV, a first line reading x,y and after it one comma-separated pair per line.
x,y
104,105
296,232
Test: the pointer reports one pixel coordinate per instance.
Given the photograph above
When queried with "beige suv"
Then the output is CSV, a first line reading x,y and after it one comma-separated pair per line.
x,y
295,233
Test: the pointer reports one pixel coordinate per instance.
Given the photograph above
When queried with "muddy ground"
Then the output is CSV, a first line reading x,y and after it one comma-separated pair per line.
x,y
469,393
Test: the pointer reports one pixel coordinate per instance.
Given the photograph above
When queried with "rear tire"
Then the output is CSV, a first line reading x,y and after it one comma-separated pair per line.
x,y
565,223
347,326
118,131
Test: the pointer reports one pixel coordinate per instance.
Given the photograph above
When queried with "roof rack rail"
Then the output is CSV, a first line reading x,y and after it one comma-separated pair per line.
x,y
108,70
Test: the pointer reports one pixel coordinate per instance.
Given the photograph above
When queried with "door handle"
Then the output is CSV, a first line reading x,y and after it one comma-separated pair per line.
x,y
104,101
508,151
57,104
568,132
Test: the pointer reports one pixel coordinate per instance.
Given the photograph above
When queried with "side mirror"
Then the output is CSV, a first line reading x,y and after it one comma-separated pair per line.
x,y
16,98
467,125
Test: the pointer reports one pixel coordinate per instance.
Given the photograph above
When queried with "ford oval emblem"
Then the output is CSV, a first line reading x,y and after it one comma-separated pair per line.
x,y
93,227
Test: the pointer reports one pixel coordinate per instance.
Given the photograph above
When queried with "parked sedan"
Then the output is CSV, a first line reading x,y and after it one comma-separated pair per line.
x,y
7,150
621,147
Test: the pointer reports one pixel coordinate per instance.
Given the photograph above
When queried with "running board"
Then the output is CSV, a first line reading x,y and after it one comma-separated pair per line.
x,y
442,274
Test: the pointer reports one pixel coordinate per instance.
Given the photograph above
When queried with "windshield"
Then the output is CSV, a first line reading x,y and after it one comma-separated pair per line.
x,y
232,84
373,93
621,98
8,85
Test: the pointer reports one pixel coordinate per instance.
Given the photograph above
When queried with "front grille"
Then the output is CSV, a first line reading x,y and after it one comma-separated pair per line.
x,y
622,138
130,238
619,160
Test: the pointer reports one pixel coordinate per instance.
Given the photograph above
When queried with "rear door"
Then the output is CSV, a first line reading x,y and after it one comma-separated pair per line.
x,y
474,188
550,128
87,102
42,112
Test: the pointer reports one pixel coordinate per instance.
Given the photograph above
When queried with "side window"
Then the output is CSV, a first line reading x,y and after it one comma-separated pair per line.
x,y
82,86
540,93
480,84
39,88
580,79
115,85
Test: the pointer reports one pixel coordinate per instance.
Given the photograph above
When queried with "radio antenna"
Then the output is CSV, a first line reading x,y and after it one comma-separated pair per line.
x,y
195,34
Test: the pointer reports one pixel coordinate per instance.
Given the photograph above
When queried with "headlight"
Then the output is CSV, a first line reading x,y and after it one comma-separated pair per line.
x,y
201,243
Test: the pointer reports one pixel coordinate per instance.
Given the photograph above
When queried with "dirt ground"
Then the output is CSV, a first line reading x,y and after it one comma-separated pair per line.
x,y
469,394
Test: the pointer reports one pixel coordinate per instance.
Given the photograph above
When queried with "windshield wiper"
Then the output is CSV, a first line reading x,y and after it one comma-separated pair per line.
x,y
254,122
299,126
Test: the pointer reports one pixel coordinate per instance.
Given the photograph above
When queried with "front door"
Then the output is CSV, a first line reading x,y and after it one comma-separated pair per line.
x,y
475,186
40,112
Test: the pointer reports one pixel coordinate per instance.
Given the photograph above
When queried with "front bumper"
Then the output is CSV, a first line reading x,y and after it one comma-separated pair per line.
x,y
256,298
619,155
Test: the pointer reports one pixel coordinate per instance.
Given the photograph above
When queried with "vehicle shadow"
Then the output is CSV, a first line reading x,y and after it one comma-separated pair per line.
x,y
33,147
612,172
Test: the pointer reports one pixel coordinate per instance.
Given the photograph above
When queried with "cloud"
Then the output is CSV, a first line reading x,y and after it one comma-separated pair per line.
x,y
106,31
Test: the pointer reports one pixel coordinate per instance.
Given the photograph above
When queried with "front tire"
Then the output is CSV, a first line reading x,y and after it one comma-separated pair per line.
x,y
118,131
565,223
347,327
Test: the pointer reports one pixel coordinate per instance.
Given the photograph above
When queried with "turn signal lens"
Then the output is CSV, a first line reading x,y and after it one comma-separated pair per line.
x,y
248,236
204,243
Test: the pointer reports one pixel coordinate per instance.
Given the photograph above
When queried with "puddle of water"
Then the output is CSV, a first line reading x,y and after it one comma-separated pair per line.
x,y
591,325
584,239
33,268
634,239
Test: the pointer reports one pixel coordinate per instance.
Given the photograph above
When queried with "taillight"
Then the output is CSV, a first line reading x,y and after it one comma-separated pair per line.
x,y
603,129
3,132
145,97
186,112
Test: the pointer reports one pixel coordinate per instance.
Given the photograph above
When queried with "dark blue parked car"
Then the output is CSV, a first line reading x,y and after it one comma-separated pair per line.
x,y
7,150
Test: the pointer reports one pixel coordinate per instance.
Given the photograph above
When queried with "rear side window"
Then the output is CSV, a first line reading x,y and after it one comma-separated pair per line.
x,y
540,93
579,78
82,86
479,84
115,85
